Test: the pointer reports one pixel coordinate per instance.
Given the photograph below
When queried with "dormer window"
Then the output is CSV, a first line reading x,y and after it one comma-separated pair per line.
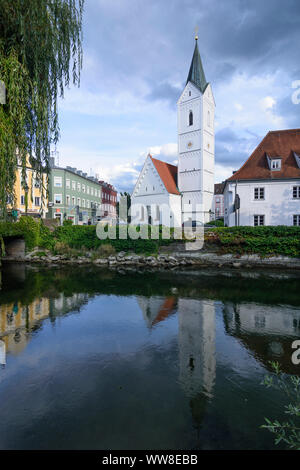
x,y
274,163
297,158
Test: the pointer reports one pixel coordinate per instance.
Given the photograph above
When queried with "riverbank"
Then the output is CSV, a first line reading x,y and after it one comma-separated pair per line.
x,y
237,247
163,260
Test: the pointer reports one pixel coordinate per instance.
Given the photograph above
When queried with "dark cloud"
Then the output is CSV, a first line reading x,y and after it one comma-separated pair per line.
x,y
165,92
155,39
290,111
232,150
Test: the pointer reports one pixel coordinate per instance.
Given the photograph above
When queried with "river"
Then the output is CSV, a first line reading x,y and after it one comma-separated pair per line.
x,y
101,359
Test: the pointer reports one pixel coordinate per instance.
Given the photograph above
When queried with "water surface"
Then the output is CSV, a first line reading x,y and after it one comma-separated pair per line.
x,y
96,359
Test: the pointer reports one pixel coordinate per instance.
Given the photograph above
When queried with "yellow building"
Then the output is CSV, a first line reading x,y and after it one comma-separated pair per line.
x,y
36,204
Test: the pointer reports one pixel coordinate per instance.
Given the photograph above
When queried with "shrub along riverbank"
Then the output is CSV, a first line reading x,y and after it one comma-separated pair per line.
x,y
265,241
73,239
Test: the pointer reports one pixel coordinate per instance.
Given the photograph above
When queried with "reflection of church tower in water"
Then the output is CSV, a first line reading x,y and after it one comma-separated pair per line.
x,y
196,344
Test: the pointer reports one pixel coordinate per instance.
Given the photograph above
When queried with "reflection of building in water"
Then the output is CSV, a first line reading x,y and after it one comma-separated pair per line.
x,y
17,320
156,309
2,353
268,331
196,338
196,344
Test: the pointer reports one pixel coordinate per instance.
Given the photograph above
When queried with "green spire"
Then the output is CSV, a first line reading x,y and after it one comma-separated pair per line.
x,y
196,73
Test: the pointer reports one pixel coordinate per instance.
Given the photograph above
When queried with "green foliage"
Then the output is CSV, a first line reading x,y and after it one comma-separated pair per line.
x,y
39,41
215,223
266,241
85,236
287,431
67,223
32,230
105,250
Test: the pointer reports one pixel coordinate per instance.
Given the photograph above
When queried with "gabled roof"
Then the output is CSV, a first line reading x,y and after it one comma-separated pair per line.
x,y
168,175
196,74
276,144
219,188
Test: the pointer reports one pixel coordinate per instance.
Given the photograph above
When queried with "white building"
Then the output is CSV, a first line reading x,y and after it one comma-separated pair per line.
x,y
266,189
218,201
187,191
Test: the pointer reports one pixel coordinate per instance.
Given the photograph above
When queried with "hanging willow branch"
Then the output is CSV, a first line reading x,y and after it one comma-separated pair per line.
x,y
40,54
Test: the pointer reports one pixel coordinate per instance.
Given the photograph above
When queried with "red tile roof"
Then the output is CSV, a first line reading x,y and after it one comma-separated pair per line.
x,y
280,144
168,174
219,188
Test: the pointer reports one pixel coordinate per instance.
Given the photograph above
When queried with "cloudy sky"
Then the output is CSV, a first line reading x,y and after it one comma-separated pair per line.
x,y
137,55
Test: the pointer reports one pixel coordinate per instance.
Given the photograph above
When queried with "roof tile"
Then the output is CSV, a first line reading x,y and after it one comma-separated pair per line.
x,y
168,175
275,144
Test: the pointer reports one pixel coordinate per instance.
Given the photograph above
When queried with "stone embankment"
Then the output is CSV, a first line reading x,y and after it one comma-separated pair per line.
x,y
167,260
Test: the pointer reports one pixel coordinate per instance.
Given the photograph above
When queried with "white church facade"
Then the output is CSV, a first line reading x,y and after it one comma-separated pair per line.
x,y
171,195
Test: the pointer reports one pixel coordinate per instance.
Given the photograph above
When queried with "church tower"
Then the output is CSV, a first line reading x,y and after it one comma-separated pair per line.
x,y
196,143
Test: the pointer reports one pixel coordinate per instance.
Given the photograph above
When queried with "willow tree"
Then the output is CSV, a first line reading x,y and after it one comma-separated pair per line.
x,y
40,54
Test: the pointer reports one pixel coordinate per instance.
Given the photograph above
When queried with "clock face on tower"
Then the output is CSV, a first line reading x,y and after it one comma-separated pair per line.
x,y
189,144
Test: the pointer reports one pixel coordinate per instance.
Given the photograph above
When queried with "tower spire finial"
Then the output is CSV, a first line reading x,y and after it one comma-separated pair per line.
x,y
196,33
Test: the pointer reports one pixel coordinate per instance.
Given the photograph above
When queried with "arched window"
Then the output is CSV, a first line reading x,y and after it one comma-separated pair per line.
x,y
208,118
190,118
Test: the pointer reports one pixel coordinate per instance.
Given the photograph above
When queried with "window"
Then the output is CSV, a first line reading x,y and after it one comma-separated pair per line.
x,y
78,201
191,118
73,201
57,198
68,200
68,184
259,193
296,220
259,220
22,200
36,201
87,203
275,164
157,212
83,188
73,185
217,199
37,184
296,192
92,191
87,190
190,93
78,187
58,181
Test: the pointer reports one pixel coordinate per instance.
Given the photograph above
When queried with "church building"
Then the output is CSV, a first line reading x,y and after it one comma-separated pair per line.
x,y
172,195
